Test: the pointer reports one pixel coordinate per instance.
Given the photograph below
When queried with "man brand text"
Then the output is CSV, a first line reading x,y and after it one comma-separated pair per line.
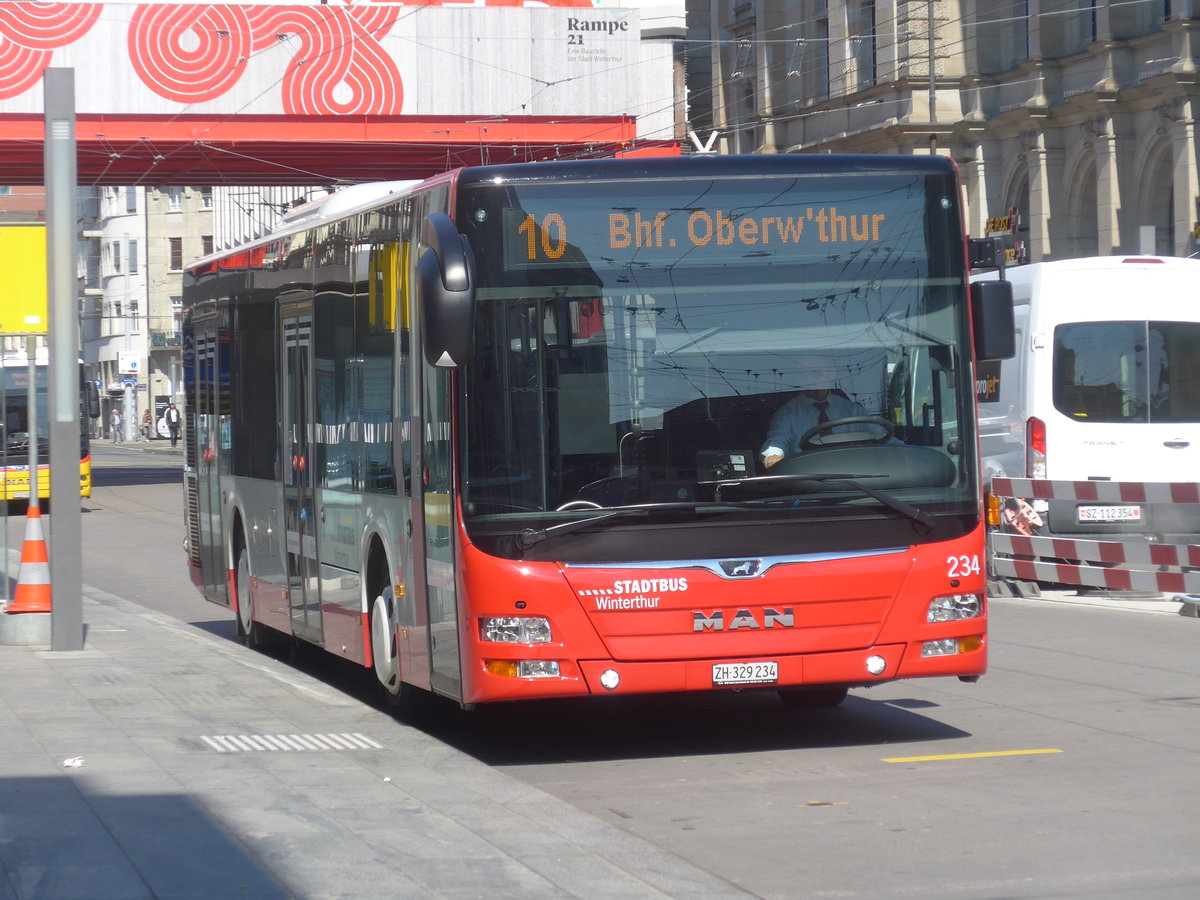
x,y
743,618
608,27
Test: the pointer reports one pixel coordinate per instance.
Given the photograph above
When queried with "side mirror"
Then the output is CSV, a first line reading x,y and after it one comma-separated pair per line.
x,y
994,334
446,282
91,399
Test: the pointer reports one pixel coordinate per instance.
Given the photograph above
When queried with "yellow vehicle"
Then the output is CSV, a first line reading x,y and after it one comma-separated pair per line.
x,y
14,429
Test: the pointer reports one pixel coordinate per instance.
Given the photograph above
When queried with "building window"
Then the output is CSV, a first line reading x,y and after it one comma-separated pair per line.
x,y
130,199
116,256
862,43
1001,34
206,198
207,241
176,315
176,253
174,197
133,256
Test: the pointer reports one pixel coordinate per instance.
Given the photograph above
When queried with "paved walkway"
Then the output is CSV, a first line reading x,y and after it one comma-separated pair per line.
x,y
162,761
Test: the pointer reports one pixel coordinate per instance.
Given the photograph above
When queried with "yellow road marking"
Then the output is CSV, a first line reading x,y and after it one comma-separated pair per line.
x,y
908,759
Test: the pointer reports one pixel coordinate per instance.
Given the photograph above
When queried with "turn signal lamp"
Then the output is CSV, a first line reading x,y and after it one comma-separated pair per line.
x,y
993,509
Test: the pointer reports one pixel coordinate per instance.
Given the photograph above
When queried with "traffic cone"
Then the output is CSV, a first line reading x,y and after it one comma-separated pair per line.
x,y
33,579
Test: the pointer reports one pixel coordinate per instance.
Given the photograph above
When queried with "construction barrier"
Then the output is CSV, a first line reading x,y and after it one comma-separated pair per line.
x,y
1110,565
33,579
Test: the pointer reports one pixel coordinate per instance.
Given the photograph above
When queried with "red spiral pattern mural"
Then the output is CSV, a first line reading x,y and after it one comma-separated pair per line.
x,y
194,52
29,33
338,66
189,53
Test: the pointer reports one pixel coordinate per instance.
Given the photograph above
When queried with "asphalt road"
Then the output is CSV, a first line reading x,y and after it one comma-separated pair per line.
x,y
1068,771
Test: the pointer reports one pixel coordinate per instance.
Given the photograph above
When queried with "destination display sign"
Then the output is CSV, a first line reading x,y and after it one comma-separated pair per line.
x,y
734,223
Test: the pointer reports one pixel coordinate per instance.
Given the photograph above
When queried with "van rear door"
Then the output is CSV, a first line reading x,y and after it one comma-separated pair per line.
x,y
1128,398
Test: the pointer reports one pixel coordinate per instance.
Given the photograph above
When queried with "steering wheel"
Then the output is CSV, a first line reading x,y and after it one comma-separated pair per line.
x,y
578,504
808,439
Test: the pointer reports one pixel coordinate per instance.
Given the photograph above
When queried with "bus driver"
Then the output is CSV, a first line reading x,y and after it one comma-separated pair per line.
x,y
815,405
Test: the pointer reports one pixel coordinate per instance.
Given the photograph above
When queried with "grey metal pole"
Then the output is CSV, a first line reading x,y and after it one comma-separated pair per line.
x,y
66,544
35,482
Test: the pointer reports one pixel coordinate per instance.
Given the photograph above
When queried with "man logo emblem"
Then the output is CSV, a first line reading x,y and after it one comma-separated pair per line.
x,y
741,568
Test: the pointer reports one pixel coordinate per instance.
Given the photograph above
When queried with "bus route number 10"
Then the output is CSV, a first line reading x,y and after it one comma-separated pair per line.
x,y
544,241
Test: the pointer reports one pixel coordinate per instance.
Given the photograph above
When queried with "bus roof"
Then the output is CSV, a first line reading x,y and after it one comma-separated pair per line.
x,y
363,197
706,165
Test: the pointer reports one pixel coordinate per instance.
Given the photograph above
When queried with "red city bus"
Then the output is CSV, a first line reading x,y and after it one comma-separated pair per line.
x,y
537,430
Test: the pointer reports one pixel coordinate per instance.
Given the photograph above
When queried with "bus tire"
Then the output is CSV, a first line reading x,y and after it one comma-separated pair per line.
x,y
385,657
253,634
241,584
823,697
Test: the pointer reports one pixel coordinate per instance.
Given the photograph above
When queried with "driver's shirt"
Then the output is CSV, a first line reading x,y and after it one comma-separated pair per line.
x,y
799,414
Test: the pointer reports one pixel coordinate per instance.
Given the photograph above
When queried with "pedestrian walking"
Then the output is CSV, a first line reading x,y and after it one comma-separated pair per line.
x,y
147,425
114,422
174,420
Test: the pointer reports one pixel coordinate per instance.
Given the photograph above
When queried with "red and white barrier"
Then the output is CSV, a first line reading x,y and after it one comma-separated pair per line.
x,y
1114,565
1098,491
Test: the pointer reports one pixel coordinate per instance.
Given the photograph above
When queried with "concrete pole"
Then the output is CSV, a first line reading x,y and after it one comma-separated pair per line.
x,y
66,544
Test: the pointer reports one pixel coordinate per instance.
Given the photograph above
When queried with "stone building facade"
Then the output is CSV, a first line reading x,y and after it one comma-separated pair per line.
x,y
1073,121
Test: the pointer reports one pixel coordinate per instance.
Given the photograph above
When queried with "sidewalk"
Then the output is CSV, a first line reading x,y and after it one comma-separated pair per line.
x,y
160,445
164,761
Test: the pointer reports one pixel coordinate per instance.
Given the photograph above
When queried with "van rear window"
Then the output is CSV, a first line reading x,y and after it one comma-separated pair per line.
x,y
1128,371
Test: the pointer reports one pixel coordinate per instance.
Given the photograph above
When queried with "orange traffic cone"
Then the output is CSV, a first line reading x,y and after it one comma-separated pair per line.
x,y
33,579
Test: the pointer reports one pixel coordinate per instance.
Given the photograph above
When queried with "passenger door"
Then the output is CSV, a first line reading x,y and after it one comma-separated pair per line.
x,y
201,447
300,526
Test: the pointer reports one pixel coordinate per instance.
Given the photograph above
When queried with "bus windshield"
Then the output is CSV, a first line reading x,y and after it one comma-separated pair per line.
x,y
782,348
15,428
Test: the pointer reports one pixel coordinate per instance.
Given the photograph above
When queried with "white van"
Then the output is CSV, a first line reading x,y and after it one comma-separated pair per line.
x,y
1105,386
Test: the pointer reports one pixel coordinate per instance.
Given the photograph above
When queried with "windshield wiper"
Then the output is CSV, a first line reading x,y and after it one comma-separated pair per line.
x,y
531,536
905,509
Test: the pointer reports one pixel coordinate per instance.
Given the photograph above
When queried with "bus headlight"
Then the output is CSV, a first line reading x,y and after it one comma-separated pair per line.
x,y
953,607
515,630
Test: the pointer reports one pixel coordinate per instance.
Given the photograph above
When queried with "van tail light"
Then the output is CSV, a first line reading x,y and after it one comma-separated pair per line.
x,y
1035,448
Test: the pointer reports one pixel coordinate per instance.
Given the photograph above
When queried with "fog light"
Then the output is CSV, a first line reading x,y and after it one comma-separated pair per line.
x,y
609,679
876,665
537,668
944,647
953,607
515,630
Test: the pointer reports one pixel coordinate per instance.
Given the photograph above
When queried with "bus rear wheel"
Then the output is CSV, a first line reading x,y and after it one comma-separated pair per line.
x,y
253,634
385,657
245,610
823,697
